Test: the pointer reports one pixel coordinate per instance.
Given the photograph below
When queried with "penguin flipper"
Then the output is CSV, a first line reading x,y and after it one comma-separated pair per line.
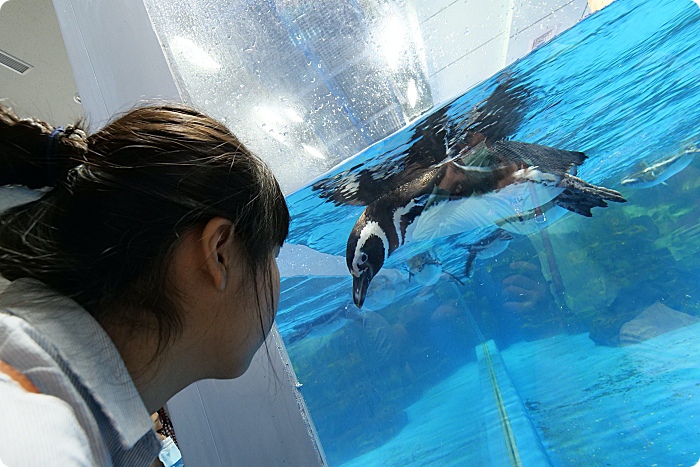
x,y
454,278
351,187
496,118
365,183
499,115
580,196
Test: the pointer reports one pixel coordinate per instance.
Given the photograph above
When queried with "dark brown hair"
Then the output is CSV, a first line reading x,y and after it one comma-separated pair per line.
x,y
121,199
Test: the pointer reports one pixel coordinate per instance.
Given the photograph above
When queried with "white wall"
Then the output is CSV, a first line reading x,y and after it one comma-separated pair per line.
x,y
467,41
254,421
29,31
533,20
115,56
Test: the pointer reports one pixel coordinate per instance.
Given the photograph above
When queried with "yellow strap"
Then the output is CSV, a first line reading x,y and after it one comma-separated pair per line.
x,y
508,436
18,377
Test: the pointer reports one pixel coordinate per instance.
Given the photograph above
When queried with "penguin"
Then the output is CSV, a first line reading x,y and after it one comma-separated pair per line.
x,y
425,268
458,178
514,192
662,170
488,247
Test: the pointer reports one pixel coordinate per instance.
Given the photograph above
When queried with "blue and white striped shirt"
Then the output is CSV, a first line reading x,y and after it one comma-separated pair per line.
x,y
88,411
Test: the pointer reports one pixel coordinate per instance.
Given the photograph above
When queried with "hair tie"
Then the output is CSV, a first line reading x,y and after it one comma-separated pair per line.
x,y
52,137
51,168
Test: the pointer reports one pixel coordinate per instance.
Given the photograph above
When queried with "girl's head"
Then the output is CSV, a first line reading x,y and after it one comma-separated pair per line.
x,y
125,202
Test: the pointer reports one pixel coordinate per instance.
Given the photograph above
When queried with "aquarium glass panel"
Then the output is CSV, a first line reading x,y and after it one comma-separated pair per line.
x,y
514,278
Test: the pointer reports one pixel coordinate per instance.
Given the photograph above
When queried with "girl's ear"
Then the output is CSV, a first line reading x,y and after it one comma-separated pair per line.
x,y
217,242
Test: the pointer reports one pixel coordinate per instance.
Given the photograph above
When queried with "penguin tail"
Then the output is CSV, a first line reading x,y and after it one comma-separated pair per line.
x,y
548,159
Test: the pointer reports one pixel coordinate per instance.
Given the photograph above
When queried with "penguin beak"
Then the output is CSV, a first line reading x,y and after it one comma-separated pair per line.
x,y
360,286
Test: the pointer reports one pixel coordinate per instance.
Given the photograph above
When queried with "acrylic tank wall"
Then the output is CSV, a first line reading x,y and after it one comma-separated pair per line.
x,y
521,303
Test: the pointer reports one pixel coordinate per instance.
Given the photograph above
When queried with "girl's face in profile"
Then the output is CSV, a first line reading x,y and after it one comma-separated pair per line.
x,y
243,327
227,312
268,290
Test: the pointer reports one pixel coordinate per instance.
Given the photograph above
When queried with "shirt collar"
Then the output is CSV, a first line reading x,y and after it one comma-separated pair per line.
x,y
88,351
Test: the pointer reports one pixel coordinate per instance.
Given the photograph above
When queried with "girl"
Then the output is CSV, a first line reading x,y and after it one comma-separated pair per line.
x,y
148,265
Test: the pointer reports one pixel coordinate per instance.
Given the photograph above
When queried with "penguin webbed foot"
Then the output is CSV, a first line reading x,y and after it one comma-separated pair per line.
x,y
581,197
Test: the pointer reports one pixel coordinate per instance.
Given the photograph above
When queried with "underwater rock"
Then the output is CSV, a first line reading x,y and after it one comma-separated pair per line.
x,y
445,312
606,331
605,327
656,320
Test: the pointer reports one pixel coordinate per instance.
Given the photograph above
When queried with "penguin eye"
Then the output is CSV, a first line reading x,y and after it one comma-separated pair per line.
x,y
363,258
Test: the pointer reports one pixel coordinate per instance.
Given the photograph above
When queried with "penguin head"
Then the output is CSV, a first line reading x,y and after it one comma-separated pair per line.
x,y
367,249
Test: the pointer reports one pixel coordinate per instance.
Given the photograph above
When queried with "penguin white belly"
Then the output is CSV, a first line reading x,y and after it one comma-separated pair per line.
x,y
478,212
448,218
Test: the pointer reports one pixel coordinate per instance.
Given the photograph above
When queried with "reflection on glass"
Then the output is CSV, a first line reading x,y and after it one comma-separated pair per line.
x,y
286,75
389,286
185,49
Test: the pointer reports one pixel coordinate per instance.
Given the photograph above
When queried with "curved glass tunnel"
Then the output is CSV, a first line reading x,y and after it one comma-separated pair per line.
x,y
506,327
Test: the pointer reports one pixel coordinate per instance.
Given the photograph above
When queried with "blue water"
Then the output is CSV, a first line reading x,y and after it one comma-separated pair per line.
x,y
406,382
593,405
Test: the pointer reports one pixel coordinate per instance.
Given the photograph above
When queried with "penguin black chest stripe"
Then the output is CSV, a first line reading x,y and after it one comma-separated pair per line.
x,y
406,204
404,217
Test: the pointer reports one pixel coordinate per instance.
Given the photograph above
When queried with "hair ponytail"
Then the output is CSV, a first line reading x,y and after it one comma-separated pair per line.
x,y
36,155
